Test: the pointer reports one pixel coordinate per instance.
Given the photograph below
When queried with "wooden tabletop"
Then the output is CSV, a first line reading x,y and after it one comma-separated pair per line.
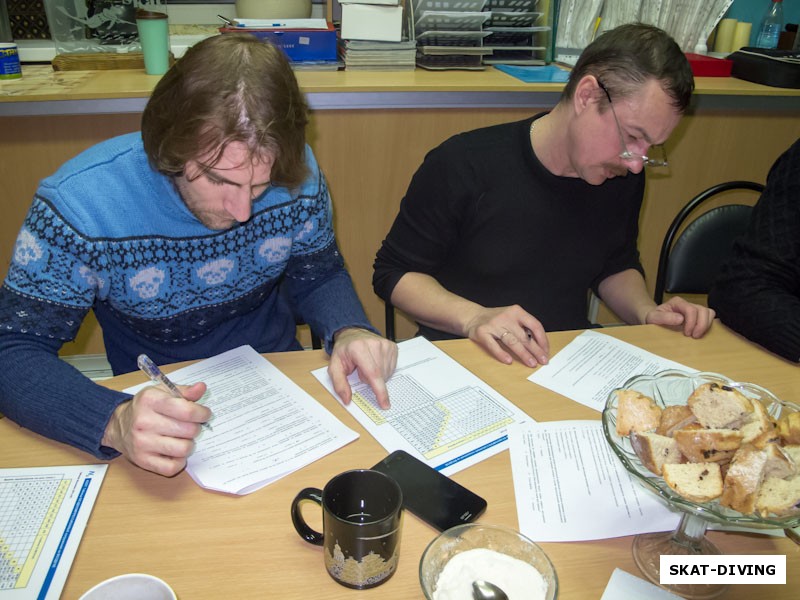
x,y
40,82
212,545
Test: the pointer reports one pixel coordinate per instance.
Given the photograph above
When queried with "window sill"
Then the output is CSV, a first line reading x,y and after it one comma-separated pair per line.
x,y
31,51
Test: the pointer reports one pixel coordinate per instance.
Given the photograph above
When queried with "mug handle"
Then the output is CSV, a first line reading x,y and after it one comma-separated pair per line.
x,y
300,525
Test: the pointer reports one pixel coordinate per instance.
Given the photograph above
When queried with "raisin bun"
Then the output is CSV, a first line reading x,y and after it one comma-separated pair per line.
x,y
759,428
677,416
780,497
743,479
698,482
636,412
789,428
708,445
719,406
655,450
780,463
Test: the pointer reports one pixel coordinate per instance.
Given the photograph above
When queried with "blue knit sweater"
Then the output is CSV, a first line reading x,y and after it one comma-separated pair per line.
x,y
107,232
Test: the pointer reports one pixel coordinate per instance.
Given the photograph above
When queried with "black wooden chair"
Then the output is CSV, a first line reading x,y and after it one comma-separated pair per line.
x,y
389,322
689,262
316,343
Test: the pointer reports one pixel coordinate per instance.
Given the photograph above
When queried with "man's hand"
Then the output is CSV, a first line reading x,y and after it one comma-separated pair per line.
x,y
510,330
694,319
155,430
373,356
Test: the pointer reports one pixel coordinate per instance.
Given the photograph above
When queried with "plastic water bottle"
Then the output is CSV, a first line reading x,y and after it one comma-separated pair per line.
x,y
771,26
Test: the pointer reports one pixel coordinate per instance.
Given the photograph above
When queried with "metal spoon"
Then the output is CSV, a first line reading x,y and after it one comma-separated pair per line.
x,y
485,590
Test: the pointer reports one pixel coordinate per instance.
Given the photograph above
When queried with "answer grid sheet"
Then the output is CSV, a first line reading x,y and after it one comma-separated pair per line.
x,y
43,513
440,412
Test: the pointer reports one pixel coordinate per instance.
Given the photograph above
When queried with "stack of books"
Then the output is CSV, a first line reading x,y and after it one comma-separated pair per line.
x,y
374,36
379,56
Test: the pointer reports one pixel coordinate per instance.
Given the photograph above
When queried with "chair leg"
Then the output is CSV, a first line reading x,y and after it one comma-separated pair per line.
x,y
389,319
316,343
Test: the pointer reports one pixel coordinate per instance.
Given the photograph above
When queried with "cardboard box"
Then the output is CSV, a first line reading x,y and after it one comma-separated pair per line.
x,y
708,66
298,44
372,22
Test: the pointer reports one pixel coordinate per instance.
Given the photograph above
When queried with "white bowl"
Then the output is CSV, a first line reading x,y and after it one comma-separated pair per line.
x,y
490,537
131,586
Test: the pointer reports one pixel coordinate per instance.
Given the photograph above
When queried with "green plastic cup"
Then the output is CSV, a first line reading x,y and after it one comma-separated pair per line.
x,y
154,38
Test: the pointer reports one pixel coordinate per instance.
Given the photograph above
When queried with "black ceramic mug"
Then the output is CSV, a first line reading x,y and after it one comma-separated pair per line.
x,y
362,514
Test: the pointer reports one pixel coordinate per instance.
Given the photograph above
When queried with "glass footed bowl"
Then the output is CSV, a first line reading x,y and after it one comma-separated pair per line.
x,y
674,387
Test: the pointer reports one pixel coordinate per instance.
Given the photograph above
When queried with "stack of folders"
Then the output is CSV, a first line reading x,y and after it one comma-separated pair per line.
x,y
374,36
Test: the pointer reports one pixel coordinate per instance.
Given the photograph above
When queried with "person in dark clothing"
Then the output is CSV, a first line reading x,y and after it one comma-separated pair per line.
x,y
757,291
504,230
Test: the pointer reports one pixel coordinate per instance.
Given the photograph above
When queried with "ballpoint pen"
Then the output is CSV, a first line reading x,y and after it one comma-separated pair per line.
x,y
157,376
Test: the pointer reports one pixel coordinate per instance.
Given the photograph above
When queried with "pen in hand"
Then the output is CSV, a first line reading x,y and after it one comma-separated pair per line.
x,y
157,376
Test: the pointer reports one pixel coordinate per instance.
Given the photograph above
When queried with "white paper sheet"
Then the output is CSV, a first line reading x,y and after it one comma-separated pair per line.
x,y
264,426
43,514
440,412
624,586
282,23
593,364
569,486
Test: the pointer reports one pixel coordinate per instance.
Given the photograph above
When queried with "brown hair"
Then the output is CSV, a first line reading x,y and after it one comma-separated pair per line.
x,y
228,88
626,57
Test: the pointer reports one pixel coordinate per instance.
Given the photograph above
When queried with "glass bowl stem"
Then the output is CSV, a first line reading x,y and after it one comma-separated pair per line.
x,y
688,539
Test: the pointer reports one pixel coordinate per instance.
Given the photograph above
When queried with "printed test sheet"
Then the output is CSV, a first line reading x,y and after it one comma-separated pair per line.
x,y
569,486
440,412
264,426
593,364
43,514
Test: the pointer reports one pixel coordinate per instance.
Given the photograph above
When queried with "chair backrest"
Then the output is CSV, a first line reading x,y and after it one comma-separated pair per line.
x,y
688,263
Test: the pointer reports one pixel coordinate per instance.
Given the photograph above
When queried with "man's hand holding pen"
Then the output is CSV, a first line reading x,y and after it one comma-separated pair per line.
x,y
155,429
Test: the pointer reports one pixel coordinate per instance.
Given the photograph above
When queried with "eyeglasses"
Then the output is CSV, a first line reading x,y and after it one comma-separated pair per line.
x,y
647,161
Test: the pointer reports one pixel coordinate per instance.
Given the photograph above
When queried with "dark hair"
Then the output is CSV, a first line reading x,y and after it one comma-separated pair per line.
x,y
626,57
228,88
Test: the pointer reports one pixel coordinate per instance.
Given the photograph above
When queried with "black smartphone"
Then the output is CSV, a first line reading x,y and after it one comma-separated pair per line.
x,y
433,497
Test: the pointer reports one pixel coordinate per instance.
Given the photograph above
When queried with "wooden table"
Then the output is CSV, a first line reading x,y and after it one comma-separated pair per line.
x,y
211,545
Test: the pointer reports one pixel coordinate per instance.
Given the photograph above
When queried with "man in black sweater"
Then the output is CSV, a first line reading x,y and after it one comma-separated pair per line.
x,y
504,230
757,291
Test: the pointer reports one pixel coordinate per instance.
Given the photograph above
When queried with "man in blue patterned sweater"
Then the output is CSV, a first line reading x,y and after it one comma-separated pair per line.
x,y
210,229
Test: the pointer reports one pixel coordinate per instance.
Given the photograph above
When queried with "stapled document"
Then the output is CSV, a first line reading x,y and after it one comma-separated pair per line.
x,y
264,426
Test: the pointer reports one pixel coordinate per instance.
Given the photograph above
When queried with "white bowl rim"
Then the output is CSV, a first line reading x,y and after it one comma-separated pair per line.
x,y
126,576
